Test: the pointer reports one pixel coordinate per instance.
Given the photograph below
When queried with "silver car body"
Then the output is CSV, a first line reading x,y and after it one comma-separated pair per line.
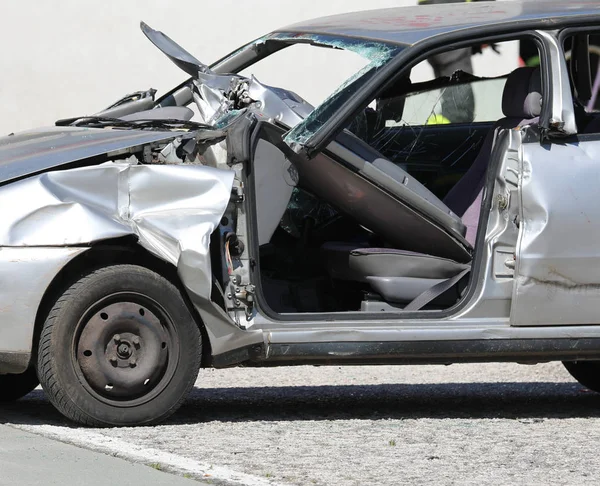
x,y
536,279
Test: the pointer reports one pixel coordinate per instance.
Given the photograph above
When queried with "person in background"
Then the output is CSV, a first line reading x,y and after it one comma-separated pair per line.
x,y
458,102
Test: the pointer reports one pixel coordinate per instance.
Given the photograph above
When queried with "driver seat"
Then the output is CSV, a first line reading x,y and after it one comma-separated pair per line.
x,y
521,105
401,276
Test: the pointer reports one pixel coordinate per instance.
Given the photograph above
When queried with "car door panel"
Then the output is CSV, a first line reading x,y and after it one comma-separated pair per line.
x,y
347,189
557,274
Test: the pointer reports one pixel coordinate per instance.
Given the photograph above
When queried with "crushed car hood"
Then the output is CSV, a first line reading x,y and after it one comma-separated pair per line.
x,y
32,152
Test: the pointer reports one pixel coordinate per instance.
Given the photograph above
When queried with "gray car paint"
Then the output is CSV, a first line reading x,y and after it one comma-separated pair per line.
x,y
25,274
410,25
42,149
559,119
274,187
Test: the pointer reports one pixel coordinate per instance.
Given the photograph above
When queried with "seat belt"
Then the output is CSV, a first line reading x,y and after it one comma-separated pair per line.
x,y
434,292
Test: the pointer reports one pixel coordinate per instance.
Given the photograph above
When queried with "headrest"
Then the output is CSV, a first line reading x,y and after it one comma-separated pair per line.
x,y
522,96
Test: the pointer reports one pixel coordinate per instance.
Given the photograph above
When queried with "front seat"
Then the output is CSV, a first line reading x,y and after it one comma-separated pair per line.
x,y
521,105
400,276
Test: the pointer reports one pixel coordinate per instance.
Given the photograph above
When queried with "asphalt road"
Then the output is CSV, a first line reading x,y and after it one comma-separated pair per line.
x,y
462,424
27,459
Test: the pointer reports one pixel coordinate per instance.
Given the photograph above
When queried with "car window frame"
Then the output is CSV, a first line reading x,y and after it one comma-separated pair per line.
x,y
567,32
409,58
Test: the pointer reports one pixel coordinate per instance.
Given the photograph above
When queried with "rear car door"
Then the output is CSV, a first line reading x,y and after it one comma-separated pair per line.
x,y
557,258
558,255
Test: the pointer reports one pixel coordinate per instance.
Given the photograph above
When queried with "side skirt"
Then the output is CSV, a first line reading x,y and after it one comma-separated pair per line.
x,y
414,352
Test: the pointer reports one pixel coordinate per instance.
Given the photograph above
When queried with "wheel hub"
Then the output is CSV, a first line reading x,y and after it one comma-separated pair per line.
x,y
123,350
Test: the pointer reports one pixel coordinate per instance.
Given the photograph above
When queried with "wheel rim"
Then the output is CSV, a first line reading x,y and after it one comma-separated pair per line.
x,y
125,349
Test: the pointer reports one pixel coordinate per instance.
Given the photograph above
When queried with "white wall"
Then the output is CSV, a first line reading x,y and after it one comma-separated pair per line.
x,y
61,58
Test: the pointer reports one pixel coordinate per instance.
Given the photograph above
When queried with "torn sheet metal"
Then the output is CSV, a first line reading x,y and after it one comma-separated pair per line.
x,y
182,58
220,104
172,210
558,256
35,151
559,120
222,97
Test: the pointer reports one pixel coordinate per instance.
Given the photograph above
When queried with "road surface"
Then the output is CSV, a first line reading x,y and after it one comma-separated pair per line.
x,y
462,424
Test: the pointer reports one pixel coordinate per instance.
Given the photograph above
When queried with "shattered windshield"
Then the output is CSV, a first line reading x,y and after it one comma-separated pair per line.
x,y
377,55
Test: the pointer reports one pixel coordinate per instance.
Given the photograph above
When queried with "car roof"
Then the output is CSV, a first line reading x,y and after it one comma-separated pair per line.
x,y
410,25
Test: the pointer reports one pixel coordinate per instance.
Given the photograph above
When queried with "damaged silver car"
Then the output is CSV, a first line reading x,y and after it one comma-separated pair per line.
x,y
230,222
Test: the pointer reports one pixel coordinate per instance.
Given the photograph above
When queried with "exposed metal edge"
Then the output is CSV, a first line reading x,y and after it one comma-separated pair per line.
x,y
247,354
14,363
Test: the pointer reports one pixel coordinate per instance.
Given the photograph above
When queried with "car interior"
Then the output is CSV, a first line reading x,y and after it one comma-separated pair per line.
x,y
582,56
385,219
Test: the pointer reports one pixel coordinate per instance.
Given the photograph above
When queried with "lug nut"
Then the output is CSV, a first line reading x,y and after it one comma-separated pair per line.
x,y
136,341
117,338
132,362
113,360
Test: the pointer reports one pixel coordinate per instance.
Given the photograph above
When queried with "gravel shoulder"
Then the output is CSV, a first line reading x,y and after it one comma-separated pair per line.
x,y
467,424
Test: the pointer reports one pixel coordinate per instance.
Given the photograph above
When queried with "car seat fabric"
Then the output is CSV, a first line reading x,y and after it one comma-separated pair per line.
x,y
521,104
398,276
593,126
522,96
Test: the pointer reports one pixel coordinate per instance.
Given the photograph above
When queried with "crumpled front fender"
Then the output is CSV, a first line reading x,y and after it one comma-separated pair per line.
x,y
171,210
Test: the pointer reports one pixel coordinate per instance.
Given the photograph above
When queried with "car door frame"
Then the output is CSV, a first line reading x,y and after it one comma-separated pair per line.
x,y
474,330
551,119
555,254
478,288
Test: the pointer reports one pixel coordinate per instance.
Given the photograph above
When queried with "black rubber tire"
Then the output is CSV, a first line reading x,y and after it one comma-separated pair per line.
x,y
13,387
585,372
60,371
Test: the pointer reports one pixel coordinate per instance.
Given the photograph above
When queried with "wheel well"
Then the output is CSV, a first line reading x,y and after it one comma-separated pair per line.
x,y
112,252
